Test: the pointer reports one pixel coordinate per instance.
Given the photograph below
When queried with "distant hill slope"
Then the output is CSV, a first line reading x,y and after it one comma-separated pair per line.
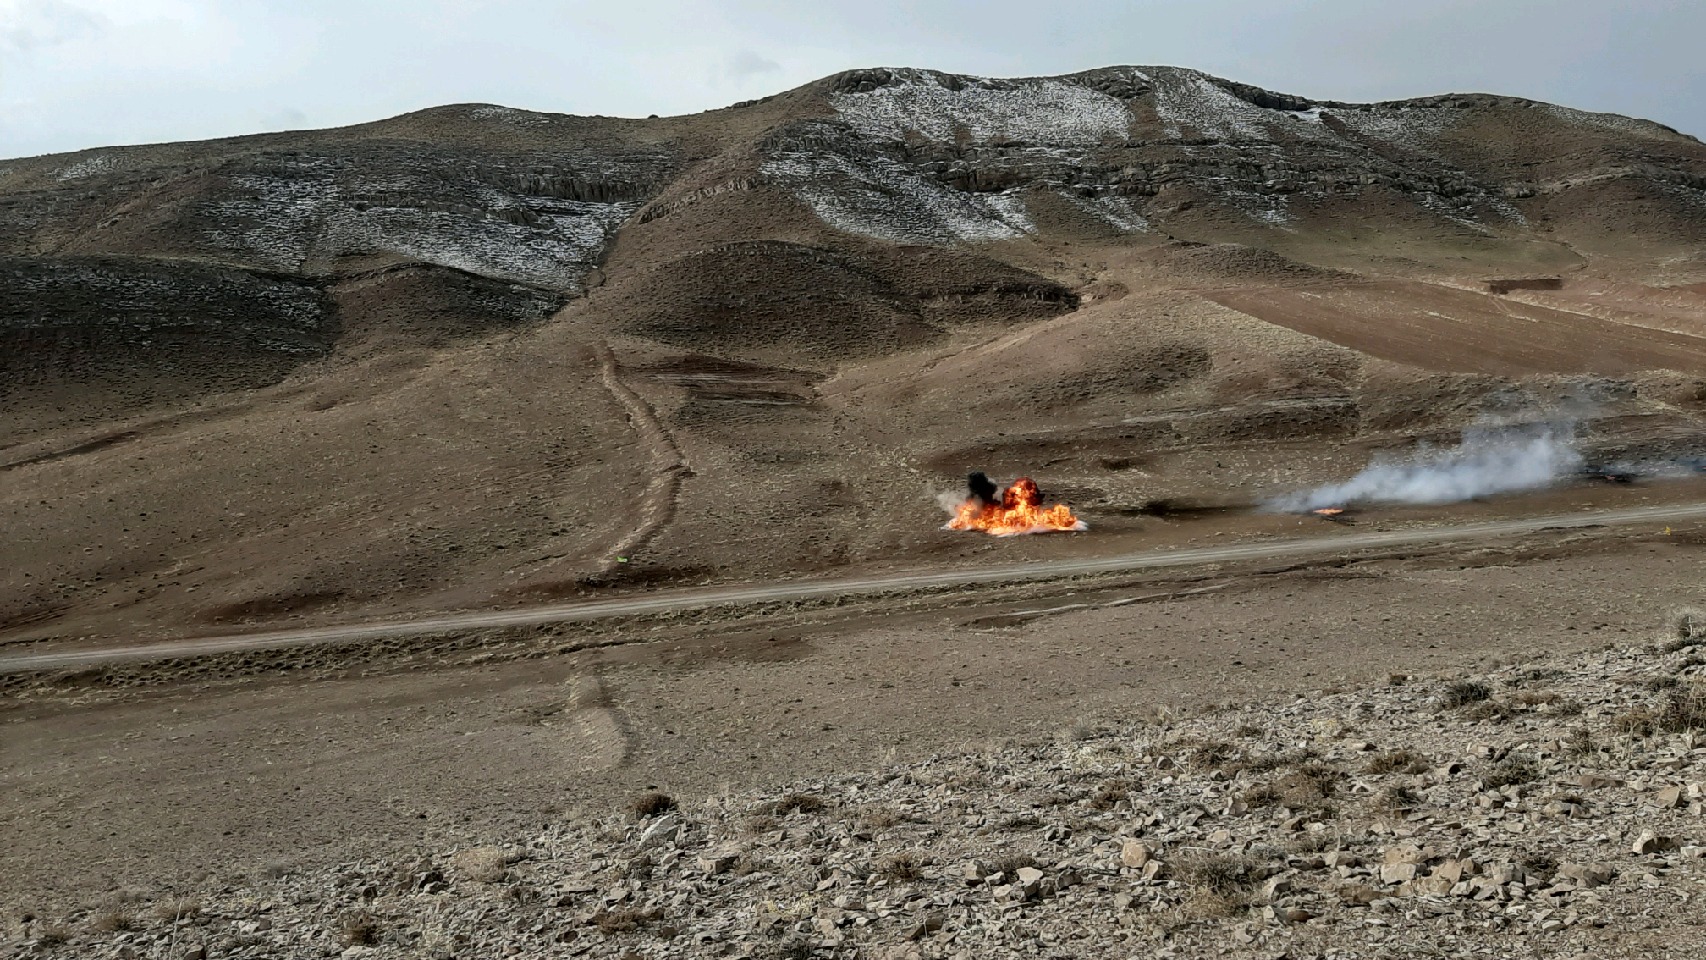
x,y
475,352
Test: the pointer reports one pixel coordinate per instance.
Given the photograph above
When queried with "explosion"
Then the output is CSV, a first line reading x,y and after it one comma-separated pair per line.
x,y
1015,510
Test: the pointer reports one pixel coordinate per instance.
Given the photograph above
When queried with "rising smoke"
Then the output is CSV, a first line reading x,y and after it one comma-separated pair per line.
x,y
1489,460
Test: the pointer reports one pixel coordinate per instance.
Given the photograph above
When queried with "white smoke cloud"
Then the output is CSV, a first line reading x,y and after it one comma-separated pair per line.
x,y
1489,460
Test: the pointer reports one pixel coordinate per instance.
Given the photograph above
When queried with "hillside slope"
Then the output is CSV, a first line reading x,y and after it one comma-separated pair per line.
x,y
477,354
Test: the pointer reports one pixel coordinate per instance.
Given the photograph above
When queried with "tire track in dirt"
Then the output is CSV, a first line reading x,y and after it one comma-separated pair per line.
x,y
599,739
668,465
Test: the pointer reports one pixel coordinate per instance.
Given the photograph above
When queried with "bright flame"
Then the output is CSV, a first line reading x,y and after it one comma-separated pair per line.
x,y
1328,511
1019,511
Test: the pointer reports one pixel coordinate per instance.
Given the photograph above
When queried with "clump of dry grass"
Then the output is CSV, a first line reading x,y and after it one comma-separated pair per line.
x,y
1687,628
176,908
1580,742
799,803
481,864
114,921
1683,710
1211,754
1397,799
1634,722
905,865
1462,693
1221,884
1403,760
1512,771
1109,795
880,818
1306,787
651,805
759,823
52,936
1487,711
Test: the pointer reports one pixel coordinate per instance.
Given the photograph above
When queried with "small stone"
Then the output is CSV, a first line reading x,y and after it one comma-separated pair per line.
x,y
1650,842
663,830
1586,875
1397,872
1135,853
717,862
1669,798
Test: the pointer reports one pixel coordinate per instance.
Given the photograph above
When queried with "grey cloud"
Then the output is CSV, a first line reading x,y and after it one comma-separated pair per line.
x,y
745,65
38,24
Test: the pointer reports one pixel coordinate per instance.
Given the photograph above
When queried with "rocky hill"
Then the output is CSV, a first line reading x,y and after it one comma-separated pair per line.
x,y
479,354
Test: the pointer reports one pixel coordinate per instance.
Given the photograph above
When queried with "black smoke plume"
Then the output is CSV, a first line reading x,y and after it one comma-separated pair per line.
x,y
982,488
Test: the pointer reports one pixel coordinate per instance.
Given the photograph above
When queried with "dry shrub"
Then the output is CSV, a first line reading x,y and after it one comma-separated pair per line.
x,y
359,930
1212,754
1487,711
481,864
175,908
1464,692
905,865
1580,742
53,936
1261,795
1313,842
1683,710
799,803
114,921
1306,787
1636,722
1398,761
1687,628
1108,796
651,805
1205,904
1269,762
759,823
1396,800
746,865
1231,876
880,818
1511,771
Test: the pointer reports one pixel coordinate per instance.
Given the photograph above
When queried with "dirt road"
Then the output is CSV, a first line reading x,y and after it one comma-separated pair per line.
x,y
693,599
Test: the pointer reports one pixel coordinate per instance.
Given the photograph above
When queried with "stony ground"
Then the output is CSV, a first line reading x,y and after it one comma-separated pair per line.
x,y
1551,808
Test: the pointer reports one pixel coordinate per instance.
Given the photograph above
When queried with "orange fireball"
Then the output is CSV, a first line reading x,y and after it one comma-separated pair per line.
x,y
1019,510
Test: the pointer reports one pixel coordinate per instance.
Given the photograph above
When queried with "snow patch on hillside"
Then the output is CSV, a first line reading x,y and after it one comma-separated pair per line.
x,y
510,115
1117,212
878,197
87,167
1414,128
314,210
985,111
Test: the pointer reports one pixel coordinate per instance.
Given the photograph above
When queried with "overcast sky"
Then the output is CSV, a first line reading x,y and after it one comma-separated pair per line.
x,y
85,73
